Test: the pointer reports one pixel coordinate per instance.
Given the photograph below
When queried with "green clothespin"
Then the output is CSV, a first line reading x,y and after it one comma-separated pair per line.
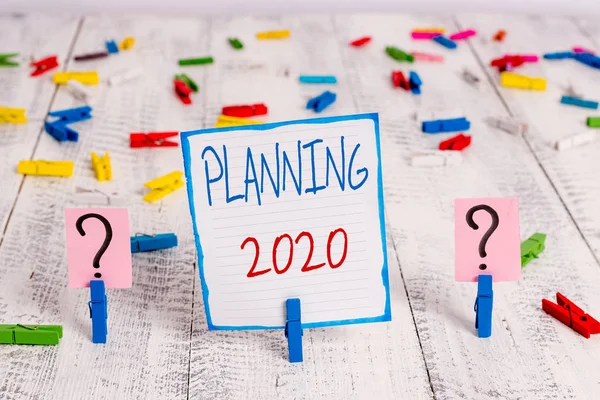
x,y
30,334
4,60
188,81
196,61
399,55
235,43
532,247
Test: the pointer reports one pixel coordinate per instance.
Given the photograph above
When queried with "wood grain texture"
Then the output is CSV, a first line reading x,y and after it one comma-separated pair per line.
x,y
29,35
573,172
147,354
33,36
529,355
158,344
352,362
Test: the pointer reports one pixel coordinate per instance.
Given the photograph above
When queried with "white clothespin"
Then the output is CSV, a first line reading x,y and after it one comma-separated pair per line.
x,y
509,125
436,158
79,90
576,140
125,76
87,196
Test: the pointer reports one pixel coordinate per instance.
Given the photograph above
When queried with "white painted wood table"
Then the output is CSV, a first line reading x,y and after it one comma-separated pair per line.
x,y
159,346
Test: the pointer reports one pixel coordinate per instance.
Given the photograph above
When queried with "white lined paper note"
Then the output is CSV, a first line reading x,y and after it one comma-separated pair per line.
x,y
347,289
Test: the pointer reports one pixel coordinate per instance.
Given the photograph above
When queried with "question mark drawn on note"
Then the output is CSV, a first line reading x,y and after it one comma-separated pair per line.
x,y
488,234
107,237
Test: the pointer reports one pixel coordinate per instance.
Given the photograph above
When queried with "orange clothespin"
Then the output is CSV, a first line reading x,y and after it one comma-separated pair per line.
x,y
569,314
44,65
499,36
457,142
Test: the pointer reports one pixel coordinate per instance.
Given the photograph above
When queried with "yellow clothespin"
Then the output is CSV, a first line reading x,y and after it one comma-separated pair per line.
x,y
437,29
87,78
127,43
513,80
102,167
273,34
224,121
12,115
163,186
45,168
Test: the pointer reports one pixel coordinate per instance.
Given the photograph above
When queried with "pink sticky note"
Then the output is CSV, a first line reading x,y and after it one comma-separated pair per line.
x,y
97,225
502,251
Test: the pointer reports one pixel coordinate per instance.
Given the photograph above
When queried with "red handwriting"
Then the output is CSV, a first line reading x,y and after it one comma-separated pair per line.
x,y
286,239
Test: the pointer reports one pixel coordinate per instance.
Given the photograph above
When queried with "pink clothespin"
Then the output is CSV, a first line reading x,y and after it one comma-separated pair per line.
x,y
427,57
424,35
582,50
463,34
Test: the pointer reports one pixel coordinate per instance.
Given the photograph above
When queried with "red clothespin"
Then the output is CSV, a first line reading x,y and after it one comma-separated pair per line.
x,y
152,139
44,65
361,42
183,91
245,111
569,314
399,80
508,62
457,142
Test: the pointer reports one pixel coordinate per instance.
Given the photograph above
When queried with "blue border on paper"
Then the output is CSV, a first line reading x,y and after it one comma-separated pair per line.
x,y
187,160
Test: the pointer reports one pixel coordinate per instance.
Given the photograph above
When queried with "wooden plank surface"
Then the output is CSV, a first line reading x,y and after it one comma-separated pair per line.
x,y
147,354
573,172
529,352
35,36
158,344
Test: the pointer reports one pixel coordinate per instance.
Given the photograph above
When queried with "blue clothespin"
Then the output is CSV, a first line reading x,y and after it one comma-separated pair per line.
x,y
559,55
155,242
293,329
98,311
112,47
317,79
60,131
321,102
446,125
574,101
444,41
73,114
483,306
588,59
415,82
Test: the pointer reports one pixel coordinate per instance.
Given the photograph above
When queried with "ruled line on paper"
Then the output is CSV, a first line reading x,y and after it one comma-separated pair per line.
x,y
321,197
285,298
303,303
291,287
315,238
295,277
295,209
290,220
280,230
304,312
253,133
